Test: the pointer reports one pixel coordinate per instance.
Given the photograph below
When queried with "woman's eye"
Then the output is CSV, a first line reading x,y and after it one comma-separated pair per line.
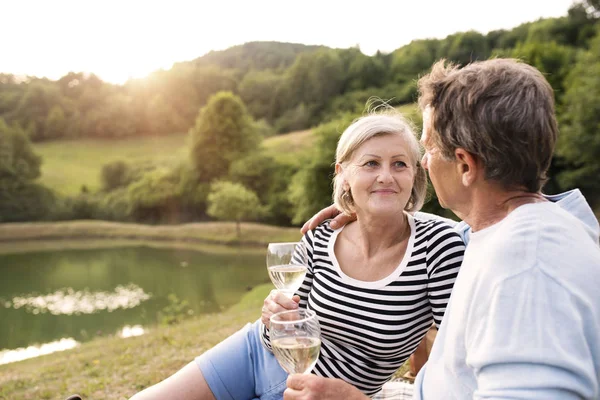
x,y
371,163
399,164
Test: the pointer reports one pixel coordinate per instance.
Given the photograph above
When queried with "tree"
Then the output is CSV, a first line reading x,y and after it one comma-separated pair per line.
x,y
224,131
255,171
552,59
579,142
465,47
592,7
56,124
257,89
35,105
413,59
362,71
114,175
309,84
311,188
269,179
18,162
20,198
233,202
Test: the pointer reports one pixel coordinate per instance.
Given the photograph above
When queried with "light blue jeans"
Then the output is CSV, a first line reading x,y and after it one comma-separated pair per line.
x,y
240,368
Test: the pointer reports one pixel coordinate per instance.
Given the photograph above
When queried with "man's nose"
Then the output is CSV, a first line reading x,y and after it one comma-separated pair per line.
x,y
424,161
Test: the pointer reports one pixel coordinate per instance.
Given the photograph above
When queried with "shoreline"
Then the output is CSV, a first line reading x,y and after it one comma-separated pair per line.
x,y
198,233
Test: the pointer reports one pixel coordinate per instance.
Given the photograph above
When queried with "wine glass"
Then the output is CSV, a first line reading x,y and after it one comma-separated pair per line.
x,y
296,340
287,265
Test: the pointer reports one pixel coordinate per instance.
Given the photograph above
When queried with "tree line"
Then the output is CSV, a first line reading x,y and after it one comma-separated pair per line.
x,y
230,100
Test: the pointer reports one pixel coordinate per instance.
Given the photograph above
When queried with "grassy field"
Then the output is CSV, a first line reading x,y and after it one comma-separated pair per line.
x,y
70,164
286,148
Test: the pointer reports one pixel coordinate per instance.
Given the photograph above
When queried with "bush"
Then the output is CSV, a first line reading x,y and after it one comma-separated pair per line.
x,y
114,175
25,201
233,202
114,206
154,198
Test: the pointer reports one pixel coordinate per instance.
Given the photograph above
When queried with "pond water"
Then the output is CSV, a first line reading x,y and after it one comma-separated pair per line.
x,y
53,300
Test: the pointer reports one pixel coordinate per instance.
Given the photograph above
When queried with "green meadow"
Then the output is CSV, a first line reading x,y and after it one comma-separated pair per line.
x,y
68,165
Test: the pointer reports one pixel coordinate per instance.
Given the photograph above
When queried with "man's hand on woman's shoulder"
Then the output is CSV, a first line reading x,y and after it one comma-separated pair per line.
x,y
339,219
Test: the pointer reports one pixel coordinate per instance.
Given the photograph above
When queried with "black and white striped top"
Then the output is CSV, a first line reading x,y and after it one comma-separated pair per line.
x,y
369,329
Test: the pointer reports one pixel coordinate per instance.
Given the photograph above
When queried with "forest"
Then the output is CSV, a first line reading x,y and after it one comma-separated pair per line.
x,y
229,103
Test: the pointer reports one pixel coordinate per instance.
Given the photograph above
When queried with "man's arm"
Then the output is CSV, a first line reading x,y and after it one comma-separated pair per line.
x,y
531,340
339,219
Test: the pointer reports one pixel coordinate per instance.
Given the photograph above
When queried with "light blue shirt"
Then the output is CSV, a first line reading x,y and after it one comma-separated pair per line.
x,y
523,321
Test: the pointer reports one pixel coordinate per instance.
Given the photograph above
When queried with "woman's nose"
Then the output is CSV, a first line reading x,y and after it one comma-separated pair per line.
x,y
385,175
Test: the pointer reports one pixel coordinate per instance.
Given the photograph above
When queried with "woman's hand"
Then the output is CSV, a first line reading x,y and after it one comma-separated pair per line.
x,y
277,302
339,219
309,386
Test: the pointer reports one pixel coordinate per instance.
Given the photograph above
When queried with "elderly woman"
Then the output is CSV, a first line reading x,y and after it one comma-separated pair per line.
x,y
376,284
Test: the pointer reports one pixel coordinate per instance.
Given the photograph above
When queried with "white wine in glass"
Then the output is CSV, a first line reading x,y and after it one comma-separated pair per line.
x,y
287,265
296,340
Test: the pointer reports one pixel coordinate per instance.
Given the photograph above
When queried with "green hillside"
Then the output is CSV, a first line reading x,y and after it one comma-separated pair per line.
x,y
70,164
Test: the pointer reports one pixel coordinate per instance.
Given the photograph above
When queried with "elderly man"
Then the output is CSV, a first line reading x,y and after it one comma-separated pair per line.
x,y
523,321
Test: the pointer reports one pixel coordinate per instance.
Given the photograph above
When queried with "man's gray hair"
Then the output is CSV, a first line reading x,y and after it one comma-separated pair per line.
x,y
499,110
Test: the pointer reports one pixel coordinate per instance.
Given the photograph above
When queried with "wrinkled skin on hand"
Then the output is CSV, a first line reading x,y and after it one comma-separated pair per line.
x,y
277,302
312,387
339,219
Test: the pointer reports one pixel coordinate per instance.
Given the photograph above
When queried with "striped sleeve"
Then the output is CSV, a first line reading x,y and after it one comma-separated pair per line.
x,y
445,253
303,291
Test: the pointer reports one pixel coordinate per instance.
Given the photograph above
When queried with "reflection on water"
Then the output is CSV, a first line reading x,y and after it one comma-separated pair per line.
x,y
85,293
8,356
23,353
69,301
129,331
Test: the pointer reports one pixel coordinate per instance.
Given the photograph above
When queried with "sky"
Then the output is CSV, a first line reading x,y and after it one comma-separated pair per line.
x,y
122,39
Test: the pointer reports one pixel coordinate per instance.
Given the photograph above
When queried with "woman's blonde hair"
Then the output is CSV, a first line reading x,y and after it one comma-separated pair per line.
x,y
379,123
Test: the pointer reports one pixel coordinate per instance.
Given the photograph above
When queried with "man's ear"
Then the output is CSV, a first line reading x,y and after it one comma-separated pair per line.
x,y
468,166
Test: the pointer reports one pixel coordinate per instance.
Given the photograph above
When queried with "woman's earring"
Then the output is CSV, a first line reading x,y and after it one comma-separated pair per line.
x,y
347,196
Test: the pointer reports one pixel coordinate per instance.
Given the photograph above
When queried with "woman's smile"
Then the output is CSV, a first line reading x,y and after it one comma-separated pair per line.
x,y
384,191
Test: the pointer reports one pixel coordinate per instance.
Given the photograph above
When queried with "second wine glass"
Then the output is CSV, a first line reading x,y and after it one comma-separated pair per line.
x,y
296,340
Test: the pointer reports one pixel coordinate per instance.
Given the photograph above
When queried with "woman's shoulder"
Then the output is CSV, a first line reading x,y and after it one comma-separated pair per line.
x,y
433,223
436,228
323,230
324,227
